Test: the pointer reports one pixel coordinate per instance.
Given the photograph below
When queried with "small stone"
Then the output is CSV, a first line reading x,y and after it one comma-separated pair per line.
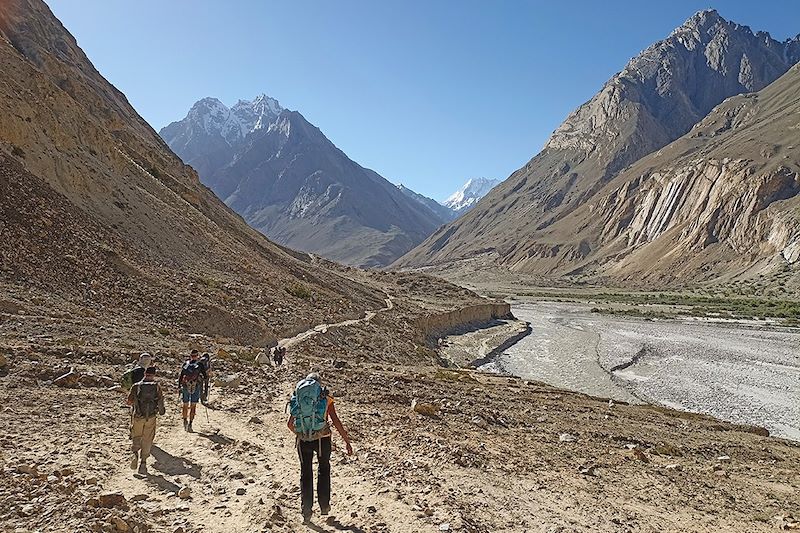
x,y
372,509
640,455
723,458
567,437
184,493
179,529
241,491
588,470
31,470
70,379
140,497
673,466
444,527
119,523
230,381
92,502
256,420
91,480
354,515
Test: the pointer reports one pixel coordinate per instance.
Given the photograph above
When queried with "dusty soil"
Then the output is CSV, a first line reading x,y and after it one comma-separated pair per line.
x,y
498,454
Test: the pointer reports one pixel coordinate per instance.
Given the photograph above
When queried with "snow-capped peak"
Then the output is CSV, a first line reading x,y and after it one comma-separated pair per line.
x,y
234,123
468,195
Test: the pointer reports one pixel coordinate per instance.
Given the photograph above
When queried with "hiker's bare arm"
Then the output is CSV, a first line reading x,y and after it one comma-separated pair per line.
x,y
130,396
290,423
340,428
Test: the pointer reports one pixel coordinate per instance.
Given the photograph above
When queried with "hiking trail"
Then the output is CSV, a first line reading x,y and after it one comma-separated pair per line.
x,y
242,468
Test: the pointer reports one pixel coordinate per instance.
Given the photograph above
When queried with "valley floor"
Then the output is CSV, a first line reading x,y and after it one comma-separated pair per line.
x,y
496,454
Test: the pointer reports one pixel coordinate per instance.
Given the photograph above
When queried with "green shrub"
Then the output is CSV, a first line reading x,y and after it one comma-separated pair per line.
x,y
299,290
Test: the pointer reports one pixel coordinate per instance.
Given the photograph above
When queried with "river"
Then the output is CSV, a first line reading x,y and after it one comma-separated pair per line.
x,y
734,372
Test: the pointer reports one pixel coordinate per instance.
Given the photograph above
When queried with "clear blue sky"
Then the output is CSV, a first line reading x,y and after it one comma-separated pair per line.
x,y
425,92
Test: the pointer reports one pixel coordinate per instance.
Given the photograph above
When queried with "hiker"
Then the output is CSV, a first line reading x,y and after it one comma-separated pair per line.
x,y
136,374
205,360
277,355
193,375
147,401
311,406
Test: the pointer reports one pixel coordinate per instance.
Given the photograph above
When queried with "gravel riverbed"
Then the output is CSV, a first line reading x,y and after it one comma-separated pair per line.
x,y
735,372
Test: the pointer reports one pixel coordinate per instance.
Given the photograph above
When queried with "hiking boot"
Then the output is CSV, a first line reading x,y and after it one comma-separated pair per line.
x,y
134,461
143,468
306,516
324,509
185,425
189,428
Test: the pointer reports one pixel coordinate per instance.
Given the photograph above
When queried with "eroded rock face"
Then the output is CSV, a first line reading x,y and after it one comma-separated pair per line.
x,y
544,218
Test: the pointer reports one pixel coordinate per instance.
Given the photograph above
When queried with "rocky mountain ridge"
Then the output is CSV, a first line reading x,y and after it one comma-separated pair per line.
x,y
658,97
99,217
287,180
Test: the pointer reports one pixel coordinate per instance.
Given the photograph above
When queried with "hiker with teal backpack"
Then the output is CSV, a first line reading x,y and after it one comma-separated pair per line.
x,y
147,402
310,407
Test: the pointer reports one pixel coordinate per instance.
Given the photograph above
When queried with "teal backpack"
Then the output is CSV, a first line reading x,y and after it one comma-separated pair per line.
x,y
309,407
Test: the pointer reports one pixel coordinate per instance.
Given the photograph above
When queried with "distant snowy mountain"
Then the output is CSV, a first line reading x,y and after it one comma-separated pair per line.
x,y
444,213
287,180
467,196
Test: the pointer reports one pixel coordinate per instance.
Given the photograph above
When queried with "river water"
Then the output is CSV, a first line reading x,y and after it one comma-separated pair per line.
x,y
734,372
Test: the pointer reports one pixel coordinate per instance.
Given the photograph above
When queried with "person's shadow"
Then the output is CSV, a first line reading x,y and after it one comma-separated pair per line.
x,y
175,466
160,482
215,438
336,524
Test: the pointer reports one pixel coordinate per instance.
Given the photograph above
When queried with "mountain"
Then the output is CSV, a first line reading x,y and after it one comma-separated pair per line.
x,y
287,180
657,98
468,195
100,218
445,214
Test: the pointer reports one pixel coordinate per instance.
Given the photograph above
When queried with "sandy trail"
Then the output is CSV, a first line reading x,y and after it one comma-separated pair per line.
x,y
242,468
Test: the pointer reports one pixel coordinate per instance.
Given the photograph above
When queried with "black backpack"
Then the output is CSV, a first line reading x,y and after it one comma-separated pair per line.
x,y
191,372
146,404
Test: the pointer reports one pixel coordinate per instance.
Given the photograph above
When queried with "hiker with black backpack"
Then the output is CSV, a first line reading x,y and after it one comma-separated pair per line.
x,y
193,375
205,360
311,406
147,402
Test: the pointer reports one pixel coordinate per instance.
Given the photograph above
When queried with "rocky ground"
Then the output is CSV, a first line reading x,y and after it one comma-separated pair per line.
x,y
477,452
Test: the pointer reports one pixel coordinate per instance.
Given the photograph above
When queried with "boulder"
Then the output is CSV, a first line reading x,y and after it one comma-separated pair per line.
x,y
111,500
426,409
70,379
261,358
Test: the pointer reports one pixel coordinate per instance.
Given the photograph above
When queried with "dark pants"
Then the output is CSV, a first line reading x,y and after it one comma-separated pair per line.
x,y
306,451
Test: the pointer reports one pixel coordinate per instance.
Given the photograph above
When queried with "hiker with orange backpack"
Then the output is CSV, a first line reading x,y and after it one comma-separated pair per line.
x,y
192,377
311,406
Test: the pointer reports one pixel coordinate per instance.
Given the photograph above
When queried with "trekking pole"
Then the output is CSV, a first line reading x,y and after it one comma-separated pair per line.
x,y
207,419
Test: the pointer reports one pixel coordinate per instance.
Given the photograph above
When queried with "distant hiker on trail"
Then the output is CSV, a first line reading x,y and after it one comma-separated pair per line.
x,y
193,375
278,352
205,360
147,401
136,374
310,406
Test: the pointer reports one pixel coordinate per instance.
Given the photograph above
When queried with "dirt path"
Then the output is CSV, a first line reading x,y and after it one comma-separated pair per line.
x,y
241,467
